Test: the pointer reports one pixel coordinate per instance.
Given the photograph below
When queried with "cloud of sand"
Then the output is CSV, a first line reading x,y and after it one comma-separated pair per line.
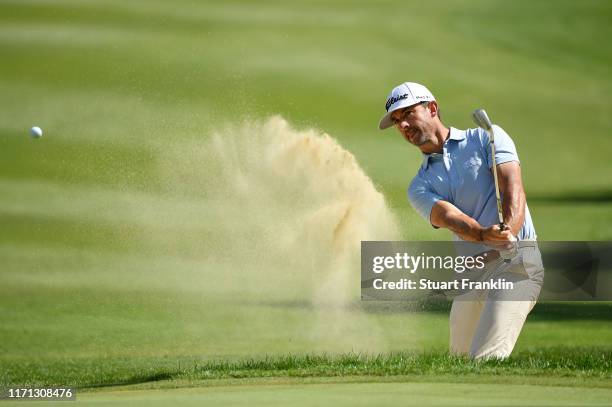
x,y
287,210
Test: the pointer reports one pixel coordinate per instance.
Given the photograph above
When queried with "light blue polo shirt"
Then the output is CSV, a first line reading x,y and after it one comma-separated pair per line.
x,y
462,175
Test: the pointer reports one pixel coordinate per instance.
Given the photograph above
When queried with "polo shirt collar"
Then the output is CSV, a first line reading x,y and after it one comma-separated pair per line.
x,y
455,134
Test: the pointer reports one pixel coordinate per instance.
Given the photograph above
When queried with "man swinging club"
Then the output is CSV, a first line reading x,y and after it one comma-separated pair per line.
x,y
455,188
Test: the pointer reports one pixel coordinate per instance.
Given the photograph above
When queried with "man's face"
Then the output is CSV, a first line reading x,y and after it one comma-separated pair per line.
x,y
415,123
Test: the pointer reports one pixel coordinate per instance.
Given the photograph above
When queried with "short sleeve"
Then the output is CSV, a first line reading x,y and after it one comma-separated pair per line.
x,y
505,150
422,197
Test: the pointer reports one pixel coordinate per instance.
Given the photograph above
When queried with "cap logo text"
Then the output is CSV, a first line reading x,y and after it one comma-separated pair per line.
x,y
394,99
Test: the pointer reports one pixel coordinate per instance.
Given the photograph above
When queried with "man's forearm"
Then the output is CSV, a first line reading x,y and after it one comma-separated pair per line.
x,y
513,207
513,196
446,215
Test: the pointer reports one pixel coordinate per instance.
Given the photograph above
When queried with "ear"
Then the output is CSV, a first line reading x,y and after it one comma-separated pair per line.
x,y
433,108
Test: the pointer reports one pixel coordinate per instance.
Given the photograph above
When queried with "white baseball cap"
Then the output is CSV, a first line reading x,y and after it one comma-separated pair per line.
x,y
404,95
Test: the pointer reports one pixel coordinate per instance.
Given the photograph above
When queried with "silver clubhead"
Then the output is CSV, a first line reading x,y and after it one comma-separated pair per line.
x,y
481,119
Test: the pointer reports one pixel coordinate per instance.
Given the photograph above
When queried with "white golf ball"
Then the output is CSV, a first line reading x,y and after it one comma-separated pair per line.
x,y
36,132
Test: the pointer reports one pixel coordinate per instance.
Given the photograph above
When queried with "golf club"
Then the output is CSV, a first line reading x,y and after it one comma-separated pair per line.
x,y
482,120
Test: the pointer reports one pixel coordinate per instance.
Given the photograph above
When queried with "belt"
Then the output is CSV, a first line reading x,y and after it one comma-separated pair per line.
x,y
527,243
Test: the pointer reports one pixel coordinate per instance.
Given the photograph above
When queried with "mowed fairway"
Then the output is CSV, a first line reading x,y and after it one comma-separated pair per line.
x,y
366,394
354,394
137,249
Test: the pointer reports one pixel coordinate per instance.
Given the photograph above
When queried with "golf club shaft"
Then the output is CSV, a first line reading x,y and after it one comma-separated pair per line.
x,y
482,120
500,215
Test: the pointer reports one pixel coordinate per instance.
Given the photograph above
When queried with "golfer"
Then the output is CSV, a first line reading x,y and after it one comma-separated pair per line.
x,y
454,189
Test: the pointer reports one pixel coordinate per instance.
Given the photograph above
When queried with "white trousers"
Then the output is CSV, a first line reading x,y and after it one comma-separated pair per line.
x,y
486,324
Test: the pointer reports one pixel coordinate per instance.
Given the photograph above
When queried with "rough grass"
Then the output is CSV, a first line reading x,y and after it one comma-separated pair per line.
x,y
583,363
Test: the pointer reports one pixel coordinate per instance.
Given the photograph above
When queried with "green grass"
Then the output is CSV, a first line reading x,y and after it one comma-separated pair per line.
x,y
359,392
579,364
117,265
364,394
540,377
168,340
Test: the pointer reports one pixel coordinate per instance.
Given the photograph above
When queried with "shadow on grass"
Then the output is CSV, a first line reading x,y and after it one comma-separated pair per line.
x,y
549,311
137,379
568,311
576,197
